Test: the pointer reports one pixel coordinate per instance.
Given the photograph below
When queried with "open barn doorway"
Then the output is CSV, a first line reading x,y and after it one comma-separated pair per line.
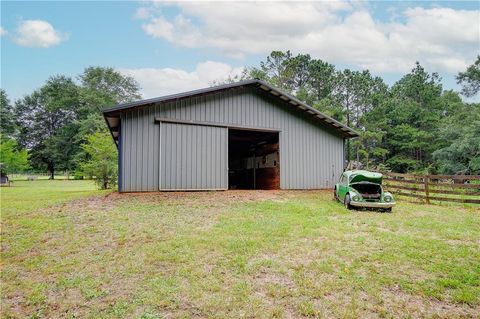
x,y
253,159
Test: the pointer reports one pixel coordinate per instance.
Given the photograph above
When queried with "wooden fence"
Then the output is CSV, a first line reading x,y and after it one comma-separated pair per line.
x,y
37,176
446,188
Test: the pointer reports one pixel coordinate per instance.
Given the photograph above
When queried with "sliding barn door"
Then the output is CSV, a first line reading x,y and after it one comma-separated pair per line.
x,y
193,157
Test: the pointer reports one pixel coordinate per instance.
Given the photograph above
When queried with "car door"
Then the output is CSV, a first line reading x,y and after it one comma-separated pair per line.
x,y
342,187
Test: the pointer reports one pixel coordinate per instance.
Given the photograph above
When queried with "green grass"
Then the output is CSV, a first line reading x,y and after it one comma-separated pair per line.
x,y
232,254
26,197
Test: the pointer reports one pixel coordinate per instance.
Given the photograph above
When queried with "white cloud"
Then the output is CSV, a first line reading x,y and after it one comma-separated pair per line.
x,y
340,32
143,13
2,32
159,28
158,82
37,33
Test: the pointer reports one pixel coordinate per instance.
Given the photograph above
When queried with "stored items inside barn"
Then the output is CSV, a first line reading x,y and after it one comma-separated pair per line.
x,y
253,160
244,135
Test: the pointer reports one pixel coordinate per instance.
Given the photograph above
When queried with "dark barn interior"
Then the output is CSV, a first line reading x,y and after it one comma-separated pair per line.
x,y
253,160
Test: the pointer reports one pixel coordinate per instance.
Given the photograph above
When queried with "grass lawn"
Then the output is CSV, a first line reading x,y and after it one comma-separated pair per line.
x,y
69,251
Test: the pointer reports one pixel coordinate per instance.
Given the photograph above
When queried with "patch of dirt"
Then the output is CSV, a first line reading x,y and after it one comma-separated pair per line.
x,y
194,199
207,196
400,302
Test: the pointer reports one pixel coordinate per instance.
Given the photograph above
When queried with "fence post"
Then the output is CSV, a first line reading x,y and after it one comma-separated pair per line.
x,y
427,192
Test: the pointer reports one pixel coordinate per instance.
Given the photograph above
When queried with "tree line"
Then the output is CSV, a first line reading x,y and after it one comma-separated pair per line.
x,y
60,127
412,126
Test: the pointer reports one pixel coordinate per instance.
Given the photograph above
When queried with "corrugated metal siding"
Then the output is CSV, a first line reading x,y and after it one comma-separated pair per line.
x,y
310,156
140,149
193,157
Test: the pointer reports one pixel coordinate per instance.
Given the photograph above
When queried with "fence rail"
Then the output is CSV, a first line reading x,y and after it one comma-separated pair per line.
x,y
463,188
37,176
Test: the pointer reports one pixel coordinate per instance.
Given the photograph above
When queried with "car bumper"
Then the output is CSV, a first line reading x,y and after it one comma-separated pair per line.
x,y
372,204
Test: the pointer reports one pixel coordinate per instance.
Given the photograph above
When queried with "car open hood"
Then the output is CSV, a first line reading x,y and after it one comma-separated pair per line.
x,y
365,176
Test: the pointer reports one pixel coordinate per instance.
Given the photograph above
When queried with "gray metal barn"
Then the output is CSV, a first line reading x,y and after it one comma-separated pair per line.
x,y
245,135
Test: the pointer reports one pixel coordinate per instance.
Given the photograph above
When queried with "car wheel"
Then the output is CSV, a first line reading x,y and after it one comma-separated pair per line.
x,y
346,202
388,210
335,197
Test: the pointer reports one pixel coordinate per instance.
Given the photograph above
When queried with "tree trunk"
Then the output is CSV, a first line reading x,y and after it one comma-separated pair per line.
x,y
348,124
348,150
51,169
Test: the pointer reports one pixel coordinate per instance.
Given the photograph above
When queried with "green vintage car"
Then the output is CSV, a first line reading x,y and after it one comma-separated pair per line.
x,y
363,189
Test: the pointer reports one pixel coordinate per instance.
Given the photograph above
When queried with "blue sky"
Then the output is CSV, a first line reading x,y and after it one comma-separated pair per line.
x,y
173,47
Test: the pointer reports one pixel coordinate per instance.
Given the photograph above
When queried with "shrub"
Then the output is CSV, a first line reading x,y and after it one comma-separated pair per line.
x,y
102,156
78,175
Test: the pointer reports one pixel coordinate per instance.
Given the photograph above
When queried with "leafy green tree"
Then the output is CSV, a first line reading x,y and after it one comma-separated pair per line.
x,y
462,156
65,148
320,87
369,147
101,164
416,109
54,120
408,145
297,72
345,96
41,116
357,93
103,86
100,87
322,80
7,122
470,79
459,136
276,70
12,159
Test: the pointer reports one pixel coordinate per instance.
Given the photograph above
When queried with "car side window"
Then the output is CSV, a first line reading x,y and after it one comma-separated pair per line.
x,y
343,180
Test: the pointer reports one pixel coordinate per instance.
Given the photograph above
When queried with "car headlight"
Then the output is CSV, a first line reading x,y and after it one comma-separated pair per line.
x,y
356,198
387,198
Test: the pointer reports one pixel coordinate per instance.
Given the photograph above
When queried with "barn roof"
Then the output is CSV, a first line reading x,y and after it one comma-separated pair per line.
x,y
112,114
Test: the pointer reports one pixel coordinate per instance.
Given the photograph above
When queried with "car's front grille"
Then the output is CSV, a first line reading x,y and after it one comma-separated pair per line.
x,y
371,196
